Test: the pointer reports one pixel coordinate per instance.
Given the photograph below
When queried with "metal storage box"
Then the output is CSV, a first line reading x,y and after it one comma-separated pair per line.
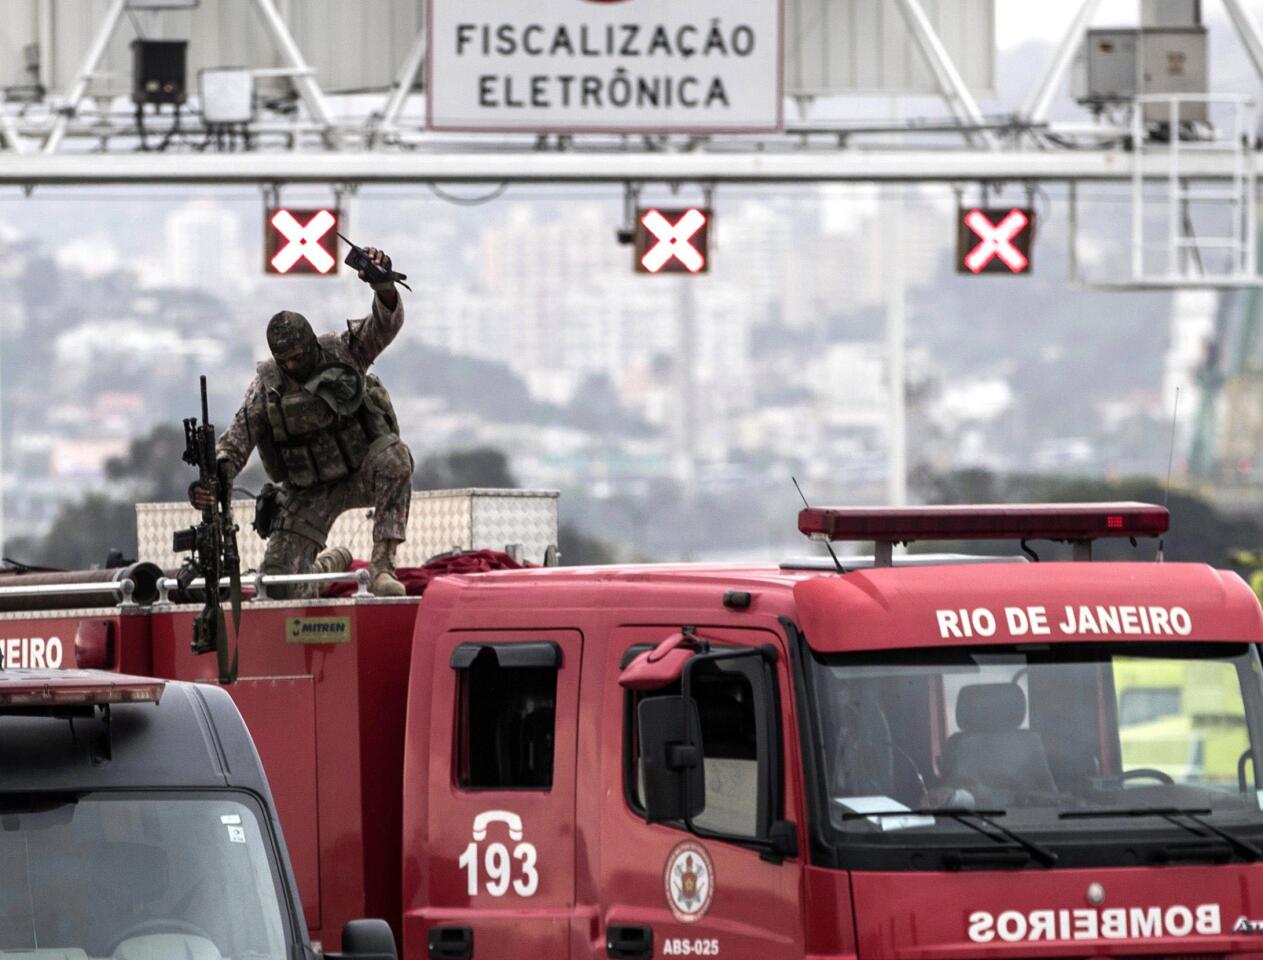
x,y
1105,68
227,94
440,520
1173,60
1115,65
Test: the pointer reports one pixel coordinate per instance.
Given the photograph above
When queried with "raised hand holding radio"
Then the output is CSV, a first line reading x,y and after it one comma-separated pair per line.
x,y
373,266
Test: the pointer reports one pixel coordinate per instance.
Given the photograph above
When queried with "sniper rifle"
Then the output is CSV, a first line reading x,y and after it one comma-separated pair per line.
x,y
212,547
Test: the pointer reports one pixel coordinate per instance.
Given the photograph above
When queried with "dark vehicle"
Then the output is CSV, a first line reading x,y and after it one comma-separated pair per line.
x,y
136,822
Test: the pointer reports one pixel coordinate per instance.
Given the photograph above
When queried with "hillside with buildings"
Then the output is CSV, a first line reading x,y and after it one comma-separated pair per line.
x,y
663,407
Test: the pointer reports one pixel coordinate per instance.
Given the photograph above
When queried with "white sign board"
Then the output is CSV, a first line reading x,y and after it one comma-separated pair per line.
x,y
654,66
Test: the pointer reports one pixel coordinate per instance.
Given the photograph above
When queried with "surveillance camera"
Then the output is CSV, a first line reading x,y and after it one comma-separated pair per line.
x,y
626,235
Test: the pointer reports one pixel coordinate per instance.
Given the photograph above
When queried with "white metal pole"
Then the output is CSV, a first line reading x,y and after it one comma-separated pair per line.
x,y
405,80
687,379
1248,31
304,79
1073,200
1250,214
951,84
896,322
1039,100
90,61
348,201
1178,255
44,33
1137,194
1240,264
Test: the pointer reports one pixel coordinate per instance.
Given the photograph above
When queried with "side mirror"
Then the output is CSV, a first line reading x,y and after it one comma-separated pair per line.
x,y
671,751
366,940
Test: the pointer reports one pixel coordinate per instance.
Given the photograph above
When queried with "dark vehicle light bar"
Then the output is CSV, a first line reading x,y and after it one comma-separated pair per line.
x,y
45,688
1076,522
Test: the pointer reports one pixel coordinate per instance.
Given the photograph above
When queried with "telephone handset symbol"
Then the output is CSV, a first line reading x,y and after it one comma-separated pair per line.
x,y
488,817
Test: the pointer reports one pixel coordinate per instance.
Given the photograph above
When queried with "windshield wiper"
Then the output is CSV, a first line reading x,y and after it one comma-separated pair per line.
x,y
966,817
1172,814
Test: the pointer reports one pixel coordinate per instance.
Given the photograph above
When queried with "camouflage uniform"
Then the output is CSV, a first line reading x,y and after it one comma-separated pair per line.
x,y
382,479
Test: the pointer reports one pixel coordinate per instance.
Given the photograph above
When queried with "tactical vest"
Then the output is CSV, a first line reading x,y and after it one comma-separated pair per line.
x,y
326,429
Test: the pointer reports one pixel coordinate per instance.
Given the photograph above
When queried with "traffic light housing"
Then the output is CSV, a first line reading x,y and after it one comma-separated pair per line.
x,y
994,240
300,241
158,71
675,240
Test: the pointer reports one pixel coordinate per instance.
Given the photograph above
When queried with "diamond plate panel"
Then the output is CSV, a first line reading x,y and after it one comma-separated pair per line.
x,y
439,520
531,522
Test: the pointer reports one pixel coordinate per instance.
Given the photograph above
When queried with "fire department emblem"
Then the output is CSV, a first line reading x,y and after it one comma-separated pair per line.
x,y
690,881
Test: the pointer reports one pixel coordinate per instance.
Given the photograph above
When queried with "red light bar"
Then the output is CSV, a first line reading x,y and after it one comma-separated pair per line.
x,y
46,688
1000,521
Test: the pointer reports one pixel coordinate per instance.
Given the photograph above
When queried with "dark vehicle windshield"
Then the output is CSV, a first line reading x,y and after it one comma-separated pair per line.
x,y
133,877
1064,744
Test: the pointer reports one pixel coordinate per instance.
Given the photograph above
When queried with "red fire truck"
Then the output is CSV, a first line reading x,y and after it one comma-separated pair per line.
x,y
922,757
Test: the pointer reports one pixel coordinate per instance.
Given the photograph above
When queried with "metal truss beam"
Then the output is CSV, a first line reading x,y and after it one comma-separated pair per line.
x,y
12,139
516,166
405,80
951,85
303,76
1248,31
1039,101
91,60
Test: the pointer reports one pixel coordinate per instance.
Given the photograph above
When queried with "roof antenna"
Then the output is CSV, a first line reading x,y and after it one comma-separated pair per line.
x,y
1166,494
828,546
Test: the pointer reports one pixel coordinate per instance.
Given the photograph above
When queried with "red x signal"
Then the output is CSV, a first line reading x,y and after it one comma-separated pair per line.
x,y
301,241
672,241
994,240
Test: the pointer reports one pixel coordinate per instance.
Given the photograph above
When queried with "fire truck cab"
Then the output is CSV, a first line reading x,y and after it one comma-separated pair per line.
x,y
887,758
922,760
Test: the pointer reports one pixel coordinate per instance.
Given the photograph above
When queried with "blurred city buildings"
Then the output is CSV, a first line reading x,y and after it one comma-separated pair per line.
x,y
529,332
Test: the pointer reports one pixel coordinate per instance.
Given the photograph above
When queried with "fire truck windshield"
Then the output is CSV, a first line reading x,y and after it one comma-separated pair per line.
x,y
1054,754
136,876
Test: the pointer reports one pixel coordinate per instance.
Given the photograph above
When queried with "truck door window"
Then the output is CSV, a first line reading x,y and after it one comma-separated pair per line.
x,y
730,754
729,708
506,703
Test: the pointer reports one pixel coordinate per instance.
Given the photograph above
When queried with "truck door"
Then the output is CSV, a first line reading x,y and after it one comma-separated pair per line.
x,y
667,891
501,814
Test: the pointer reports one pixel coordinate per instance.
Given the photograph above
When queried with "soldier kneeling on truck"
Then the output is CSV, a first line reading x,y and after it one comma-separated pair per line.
x,y
327,434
